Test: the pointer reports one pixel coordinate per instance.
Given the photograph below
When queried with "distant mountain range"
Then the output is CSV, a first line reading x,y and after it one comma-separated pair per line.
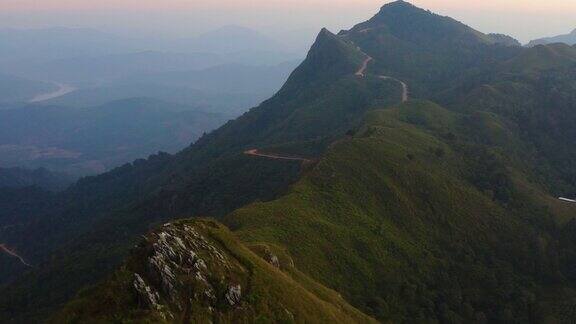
x,y
229,39
38,46
92,140
91,70
569,39
227,78
249,66
19,45
41,178
228,89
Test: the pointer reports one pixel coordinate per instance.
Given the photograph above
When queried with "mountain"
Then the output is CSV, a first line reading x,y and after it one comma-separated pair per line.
x,y
424,48
18,178
226,78
212,177
229,105
90,70
569,39
410,164
85,57
504,40
225,275
93,140
88,57
229,39
14,89
57,43
228,89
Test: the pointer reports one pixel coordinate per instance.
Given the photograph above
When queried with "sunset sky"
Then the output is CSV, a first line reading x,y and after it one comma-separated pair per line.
x,y
524,19
504,5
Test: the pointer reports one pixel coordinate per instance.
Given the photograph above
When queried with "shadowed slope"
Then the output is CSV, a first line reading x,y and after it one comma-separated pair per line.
x,y
197,272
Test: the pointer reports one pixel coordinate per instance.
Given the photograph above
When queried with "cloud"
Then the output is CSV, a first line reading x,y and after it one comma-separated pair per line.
x,y
152,4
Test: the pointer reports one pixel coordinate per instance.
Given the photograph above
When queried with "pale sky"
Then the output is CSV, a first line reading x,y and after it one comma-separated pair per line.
x,y
505,5
523,19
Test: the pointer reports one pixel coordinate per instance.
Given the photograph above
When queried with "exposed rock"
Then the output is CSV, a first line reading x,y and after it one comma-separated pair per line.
x,y
234,295
272,259
197,272
146,293
184,267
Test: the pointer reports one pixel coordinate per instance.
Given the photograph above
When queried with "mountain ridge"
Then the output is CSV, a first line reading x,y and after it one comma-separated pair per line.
x,y
569,39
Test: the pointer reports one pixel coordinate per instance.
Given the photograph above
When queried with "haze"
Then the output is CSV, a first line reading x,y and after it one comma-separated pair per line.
x,y
522,19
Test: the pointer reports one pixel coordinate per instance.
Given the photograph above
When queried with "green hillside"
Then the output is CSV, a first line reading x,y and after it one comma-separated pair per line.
x,y
198,272
427,50
412,220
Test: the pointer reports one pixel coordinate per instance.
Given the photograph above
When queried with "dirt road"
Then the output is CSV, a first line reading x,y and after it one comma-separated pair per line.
x,y
362,73
404,86
255,152
8,251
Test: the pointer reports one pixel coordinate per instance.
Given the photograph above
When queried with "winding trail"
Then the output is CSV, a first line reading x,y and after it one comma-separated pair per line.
x,y
362,70
362,73
8,251
255,152
404,86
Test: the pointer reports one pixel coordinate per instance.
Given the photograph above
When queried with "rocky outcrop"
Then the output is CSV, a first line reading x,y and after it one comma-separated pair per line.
x,y
197,271
234,295
147,294
182,268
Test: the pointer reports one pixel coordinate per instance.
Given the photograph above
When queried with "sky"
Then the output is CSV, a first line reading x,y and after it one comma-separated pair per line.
x,y
523,19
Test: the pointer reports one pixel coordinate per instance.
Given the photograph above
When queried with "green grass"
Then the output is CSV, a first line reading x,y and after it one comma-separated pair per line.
x,y
269,295
393,219
417,217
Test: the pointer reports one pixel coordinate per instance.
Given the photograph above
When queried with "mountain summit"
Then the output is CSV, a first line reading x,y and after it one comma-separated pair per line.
x,y
410,23
408,42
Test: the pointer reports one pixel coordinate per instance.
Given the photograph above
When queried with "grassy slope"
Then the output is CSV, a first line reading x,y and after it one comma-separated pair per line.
x,y
393,219
396,220
269,295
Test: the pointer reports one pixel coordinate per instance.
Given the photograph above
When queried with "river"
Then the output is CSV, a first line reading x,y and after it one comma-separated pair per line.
x,y
62,90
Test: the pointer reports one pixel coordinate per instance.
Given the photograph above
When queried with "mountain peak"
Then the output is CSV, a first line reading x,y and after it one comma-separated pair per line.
x,y
329,56
398,5
405,21
324,32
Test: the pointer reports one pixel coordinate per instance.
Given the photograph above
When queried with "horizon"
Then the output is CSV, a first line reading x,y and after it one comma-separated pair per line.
x,y
523,20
